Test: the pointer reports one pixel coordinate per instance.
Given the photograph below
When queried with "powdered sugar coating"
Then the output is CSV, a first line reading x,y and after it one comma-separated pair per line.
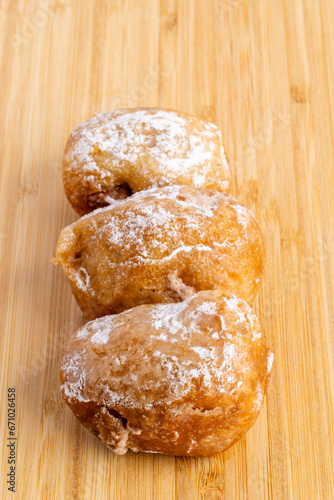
x,y
171,358
142,147
125,134
161,245
270,362
74,388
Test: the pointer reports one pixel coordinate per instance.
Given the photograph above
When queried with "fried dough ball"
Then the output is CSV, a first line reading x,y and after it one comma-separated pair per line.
x,y
182,378
161,245
118,153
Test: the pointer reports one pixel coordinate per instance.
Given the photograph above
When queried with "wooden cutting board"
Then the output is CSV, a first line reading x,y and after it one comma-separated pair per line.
x,y
263,71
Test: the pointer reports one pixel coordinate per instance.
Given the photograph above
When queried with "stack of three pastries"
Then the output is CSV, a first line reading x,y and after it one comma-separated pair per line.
x,y
164,264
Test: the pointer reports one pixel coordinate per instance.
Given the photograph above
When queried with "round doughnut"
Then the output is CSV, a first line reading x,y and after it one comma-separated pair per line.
x,y
183,378
161,245
124,151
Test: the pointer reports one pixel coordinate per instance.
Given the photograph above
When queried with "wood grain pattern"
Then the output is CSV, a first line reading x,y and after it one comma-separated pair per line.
x,y
263,71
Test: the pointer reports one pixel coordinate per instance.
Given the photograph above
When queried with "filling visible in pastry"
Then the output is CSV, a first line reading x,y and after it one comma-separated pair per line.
x,y
177,285
105,198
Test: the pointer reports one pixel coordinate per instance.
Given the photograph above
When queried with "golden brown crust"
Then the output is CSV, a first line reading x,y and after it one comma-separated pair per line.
x,y
132,149
183,378
161,245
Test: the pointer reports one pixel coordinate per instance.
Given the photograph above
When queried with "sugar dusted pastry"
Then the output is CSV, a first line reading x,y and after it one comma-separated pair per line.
x,y
182,378
115,154
161,245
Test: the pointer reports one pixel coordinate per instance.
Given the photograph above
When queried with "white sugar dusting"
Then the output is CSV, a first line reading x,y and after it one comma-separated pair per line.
x,y
100,337
140,224
270,361
186,322
257,334
99,325
166,317
207,307
74,386
186,249
126,136
229,353
223,324
243,215
207,353
186,345
258,398
82,279
82,333
234,304
244,314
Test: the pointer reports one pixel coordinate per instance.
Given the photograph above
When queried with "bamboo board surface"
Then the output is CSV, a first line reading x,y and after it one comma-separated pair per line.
x,y
263,71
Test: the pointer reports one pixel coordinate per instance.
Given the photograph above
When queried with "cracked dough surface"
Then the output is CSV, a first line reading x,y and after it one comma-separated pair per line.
x,y
183,378
161,245
127,150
